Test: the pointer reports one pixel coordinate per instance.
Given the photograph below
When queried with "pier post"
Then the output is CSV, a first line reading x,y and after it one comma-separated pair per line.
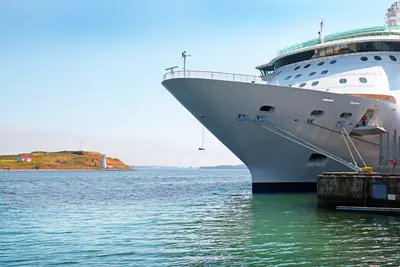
x,y
381,149
387,149
398,148
394,152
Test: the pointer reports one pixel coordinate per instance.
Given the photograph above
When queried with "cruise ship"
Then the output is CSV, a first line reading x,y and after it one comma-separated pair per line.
x,y
328,104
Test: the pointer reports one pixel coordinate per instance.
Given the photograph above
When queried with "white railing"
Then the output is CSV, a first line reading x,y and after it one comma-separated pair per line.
x,y
213,75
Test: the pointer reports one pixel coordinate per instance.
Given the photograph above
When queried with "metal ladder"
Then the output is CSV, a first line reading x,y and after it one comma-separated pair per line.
x,y
291,137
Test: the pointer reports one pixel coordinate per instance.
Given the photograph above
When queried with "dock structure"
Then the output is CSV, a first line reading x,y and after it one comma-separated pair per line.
x,y
352,190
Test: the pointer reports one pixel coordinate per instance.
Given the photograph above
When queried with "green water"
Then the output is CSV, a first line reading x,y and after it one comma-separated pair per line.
x,y
179,218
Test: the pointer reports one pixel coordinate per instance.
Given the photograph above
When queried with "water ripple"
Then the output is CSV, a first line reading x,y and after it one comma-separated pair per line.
x,y
178,218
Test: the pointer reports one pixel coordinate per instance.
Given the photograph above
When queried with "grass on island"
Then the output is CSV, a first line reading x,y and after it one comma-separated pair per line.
x,y
65,160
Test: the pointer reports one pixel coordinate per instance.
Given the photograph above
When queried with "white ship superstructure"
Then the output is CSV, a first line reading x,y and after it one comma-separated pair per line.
x,y
317,106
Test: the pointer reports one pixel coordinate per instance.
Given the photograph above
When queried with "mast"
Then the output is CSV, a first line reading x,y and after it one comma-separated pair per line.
x,y
184,56
321,32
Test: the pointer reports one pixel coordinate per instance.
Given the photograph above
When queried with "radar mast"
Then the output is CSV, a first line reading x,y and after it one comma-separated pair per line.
x,y
321,32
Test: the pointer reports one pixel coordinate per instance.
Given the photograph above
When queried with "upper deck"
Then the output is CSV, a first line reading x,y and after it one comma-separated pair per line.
x,y
357,33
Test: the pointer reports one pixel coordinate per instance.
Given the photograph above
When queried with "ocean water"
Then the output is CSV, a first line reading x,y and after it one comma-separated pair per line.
x,y
178,217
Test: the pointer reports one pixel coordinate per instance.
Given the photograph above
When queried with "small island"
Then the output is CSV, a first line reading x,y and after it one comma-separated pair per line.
x,y
62,160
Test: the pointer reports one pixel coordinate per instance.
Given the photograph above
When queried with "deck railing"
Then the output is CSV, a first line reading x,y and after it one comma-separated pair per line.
x,y
225,76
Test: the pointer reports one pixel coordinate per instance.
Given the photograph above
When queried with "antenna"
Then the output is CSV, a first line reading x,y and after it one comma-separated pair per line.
x,y
321,32
184,56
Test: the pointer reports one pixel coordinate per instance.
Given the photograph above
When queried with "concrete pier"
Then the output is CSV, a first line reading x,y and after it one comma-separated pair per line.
x,y
374,190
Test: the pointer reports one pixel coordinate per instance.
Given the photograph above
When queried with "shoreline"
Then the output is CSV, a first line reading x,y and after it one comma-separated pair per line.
x,y
66,170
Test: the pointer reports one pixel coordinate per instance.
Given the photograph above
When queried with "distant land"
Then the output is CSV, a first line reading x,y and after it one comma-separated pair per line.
x,y
62,160
241,166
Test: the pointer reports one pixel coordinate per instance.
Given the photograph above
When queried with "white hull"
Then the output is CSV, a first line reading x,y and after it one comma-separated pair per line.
x,y
275,163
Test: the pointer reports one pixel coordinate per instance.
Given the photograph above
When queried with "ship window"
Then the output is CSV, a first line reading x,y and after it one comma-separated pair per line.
x,y
317,113
297,76
393,58
324,72
307,66
287,78
298,67
363,80
377,58
267,109
303,84
321,63
364,59
290,85
333,61
345,115
315,83
343,81
312,74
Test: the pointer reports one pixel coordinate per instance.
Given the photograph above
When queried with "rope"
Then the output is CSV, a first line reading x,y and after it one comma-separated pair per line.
x,y
309,146
355,148
351,154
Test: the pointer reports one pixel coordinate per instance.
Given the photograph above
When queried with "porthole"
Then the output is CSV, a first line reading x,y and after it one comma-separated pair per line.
x,y
290,85
307,66
269,109
333,61
317,113
377,58
363,80
315,83
303,84
364,59
297,76
393,58
324,72
287,78
321,63
312,73
345,115
343,81
298,67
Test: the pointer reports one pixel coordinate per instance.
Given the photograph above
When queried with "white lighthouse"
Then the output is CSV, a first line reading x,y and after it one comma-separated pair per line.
x,y
104,161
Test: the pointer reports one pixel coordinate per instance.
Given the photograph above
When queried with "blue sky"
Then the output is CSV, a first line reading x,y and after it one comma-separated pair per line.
x,y
87,74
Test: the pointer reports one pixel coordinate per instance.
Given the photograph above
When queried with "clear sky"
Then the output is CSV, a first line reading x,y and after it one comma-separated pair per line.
x,y
87,74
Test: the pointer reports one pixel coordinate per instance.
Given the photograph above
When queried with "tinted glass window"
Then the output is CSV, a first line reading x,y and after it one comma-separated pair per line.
x,y
393,58
364,58
317,113
315,83
324,72
267,108
298,67
363,80
377,58
303,84
312,74
297,76
303,56
335,50
287,78
343,81
307,66
321,63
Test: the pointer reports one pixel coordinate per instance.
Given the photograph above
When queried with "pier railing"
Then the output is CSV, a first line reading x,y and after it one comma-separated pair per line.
x,y
225,76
